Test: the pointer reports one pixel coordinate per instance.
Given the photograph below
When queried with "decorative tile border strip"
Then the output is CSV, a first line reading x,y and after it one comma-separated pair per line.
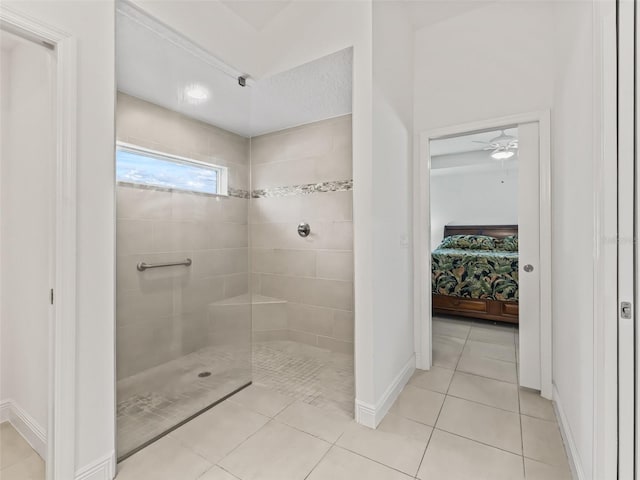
x,y
335,186
231,192
238,193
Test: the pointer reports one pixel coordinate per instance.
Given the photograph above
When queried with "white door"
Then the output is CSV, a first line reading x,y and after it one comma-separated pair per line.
x,y
626,247
529,253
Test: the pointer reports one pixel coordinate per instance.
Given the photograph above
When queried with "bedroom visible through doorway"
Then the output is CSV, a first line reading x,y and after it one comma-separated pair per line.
x,y
474,226
483,249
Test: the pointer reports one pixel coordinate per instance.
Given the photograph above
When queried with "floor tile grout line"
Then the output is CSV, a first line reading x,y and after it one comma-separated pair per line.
x,y
478,441
376,461
483,404
524,471
424,454
242,443
331,445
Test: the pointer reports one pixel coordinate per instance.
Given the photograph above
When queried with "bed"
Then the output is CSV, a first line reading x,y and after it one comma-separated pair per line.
x,y
474,276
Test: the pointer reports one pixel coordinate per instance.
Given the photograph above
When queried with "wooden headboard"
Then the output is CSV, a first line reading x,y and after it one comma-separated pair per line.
x,y
496,231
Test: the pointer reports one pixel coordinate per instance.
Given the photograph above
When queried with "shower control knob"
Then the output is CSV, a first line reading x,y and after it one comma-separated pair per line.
x,y
304,230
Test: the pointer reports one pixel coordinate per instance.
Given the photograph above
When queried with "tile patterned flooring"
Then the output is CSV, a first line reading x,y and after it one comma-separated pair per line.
x,y
465,419
155,400
310,374
18,461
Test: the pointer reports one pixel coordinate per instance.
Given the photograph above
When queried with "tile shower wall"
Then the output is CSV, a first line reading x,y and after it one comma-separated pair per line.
x,y
166,313
304,174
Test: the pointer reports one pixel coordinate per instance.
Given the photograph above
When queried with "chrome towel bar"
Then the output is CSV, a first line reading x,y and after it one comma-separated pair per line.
x,y
143,266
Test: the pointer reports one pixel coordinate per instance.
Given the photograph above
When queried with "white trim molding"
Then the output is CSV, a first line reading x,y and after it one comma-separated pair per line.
x,y
102,469
570,447
5,410
61,447
25,425
371,415
422,240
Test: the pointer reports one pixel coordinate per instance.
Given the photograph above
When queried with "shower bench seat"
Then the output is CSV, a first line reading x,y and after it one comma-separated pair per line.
x,y
268,315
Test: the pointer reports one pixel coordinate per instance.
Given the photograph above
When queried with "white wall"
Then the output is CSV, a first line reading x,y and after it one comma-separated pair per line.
x,y
394,359
573,218
467,69
487,195
545,56
92,24
319,28
25,236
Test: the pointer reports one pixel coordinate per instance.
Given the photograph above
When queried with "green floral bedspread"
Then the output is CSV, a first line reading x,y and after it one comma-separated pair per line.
x,y
487,274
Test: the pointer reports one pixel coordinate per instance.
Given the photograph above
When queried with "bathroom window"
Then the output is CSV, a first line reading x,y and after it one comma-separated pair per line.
x,y
146,167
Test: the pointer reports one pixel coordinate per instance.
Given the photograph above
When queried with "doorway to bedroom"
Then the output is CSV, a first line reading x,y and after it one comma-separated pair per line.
x,y
482,251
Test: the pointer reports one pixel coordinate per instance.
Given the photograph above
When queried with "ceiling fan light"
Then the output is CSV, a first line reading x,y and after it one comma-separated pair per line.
x,y
501,154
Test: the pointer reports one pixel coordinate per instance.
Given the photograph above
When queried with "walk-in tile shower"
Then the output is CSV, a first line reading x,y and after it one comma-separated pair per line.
x,y
218,285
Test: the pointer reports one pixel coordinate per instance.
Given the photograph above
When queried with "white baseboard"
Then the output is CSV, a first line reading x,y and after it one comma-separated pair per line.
x,y
25,425
5,411
102,469
371,415
575,462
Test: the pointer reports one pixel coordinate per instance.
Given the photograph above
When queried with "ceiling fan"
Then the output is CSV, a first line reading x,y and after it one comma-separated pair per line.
x,y
504,146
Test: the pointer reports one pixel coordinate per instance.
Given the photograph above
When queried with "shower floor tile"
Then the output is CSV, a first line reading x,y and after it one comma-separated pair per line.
x,y
312,375
154,401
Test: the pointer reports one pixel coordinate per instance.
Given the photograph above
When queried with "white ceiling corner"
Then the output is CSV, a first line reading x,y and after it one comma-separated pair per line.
x,y
467,142
156,66
424,13
258,14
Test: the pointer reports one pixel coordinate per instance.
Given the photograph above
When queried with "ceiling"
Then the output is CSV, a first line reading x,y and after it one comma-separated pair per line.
x,y
8,40
156,64
423,13
311,92
466,143
258,14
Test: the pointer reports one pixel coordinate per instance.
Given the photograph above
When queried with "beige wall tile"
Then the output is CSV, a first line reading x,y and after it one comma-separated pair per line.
x,y
271,336
324,236
329,293
199,293
343,325
307,318
134,236
314,274
211,263
135,306
334,265
141,204
143,345
236,284
286,288
299,263
160,226
284,173
335,345
269,316
336,165
152,280
327,206
303,337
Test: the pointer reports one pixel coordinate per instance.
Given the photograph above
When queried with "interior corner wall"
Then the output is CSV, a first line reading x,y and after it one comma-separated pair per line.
x,y
573,218
473,196
393,339
467,69
92,25
319,28
25,236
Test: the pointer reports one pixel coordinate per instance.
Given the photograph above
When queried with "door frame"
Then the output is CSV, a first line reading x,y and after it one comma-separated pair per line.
x,y
422,237
61,422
